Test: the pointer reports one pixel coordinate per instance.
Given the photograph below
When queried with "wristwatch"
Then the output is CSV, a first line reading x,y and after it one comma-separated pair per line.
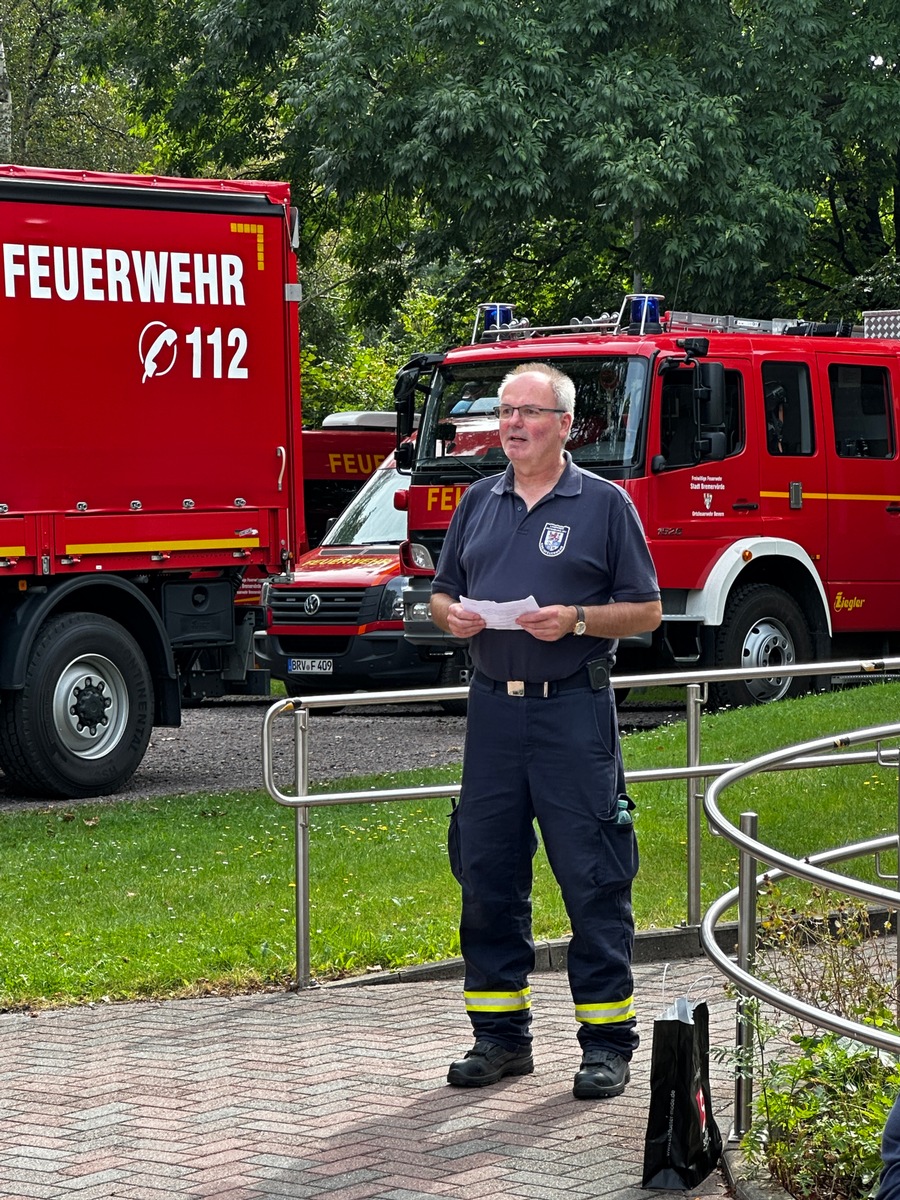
x,y
580,626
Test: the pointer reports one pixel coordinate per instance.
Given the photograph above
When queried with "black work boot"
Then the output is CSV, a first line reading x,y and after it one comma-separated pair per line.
x,y
487,1063
603,1073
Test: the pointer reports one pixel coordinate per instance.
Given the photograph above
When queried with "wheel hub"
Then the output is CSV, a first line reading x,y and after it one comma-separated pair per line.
x,y
91,703
90,706
768,644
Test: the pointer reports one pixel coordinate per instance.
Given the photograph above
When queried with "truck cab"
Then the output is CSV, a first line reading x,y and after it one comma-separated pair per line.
x,y
761,456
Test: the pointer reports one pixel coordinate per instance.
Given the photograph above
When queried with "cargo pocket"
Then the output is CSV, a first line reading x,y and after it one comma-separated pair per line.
x,y
619,859
453,845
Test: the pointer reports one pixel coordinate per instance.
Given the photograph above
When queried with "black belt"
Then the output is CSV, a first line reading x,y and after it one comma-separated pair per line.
x,y
594,675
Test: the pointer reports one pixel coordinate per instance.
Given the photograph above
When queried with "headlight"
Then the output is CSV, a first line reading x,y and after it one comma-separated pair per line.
x,y
390,607
421,557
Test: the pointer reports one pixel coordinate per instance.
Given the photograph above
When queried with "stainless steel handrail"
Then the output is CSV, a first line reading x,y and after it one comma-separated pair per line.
x,y
694,773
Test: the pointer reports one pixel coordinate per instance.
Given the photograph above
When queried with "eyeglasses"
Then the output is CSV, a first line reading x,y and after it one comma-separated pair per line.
x,y
528,412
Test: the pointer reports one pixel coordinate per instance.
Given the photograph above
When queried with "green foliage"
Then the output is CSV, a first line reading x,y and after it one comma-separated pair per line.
x,y
362,379
604,138
822,1099
353,373
824,1112
60,118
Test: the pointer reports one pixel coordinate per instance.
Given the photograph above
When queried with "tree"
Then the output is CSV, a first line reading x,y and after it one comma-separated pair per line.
x,y
838,65
560,142
56,116
5,109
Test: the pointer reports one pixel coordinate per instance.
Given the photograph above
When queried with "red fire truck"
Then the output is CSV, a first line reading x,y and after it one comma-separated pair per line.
x,y
762,457
152,461
335,622
337,461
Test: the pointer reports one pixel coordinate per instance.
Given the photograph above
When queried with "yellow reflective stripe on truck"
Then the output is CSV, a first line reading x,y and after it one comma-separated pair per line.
x,y
134,547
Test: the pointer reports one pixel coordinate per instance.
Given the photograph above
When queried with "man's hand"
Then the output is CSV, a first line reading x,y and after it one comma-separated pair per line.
x,y
448,614
549,624
462,623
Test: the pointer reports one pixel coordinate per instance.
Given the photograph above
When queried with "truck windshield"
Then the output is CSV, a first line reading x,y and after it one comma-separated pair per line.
x,y
370,518
608,432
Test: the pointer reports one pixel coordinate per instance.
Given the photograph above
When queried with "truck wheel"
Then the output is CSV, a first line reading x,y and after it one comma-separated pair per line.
x,y
763,627
449,677
82,722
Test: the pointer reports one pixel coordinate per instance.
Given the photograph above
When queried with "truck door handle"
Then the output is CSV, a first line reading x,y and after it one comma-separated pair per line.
x,y
281,453
893,507
745,506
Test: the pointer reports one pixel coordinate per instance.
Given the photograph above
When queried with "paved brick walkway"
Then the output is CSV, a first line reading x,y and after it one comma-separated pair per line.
x,y
334,1092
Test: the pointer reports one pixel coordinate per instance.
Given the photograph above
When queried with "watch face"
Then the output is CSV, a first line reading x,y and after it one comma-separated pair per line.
x,y
579,628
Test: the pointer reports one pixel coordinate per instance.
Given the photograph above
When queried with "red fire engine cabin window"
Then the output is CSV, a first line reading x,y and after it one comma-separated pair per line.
x,y
788,408
862,411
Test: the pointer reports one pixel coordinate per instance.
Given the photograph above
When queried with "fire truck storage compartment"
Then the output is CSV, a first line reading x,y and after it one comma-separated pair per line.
x,y
196,611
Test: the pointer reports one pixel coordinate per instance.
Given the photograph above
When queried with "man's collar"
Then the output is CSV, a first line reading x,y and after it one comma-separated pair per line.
x,y
568,484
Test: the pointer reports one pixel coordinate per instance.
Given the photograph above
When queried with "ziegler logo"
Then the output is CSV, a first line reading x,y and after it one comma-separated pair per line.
x,y
847,603
669,531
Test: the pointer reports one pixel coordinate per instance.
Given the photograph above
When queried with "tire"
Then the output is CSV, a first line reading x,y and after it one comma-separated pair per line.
x,y
450,677
763,626
294,687
82,722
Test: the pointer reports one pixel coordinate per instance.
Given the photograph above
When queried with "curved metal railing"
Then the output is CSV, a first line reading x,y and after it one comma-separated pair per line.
x,y
811,869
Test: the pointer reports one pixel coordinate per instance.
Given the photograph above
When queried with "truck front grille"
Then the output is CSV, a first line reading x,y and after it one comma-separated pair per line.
x,y
317,606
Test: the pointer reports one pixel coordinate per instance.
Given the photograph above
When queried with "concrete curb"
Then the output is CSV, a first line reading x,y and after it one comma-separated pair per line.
x,y
650,945
745,1186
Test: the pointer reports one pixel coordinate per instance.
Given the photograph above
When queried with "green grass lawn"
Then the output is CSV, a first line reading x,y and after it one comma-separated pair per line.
x,y
196,894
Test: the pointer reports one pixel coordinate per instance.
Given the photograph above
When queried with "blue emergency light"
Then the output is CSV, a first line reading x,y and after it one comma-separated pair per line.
x,y
645,310
497,315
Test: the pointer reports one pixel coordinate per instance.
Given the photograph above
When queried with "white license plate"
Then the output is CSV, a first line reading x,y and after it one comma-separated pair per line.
x,y
310,666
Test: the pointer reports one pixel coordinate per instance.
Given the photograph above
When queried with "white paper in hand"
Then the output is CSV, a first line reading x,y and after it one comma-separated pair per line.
x,y
500,614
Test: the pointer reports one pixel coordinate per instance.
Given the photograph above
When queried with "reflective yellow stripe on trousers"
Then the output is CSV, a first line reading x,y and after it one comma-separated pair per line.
x,y
495,1002
605,1014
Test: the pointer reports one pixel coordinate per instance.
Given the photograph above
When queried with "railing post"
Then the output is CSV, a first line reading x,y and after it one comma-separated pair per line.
x,y
743,1083
695,696
301,847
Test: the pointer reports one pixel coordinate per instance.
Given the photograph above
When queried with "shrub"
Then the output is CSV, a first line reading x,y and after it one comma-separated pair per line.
x,y
822,1098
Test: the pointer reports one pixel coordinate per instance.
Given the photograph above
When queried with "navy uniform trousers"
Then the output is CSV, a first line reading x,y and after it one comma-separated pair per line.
x,y
556,759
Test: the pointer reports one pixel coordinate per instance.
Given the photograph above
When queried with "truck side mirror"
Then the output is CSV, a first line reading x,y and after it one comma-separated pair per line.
x,y
710,391
405,401
712,446
404,455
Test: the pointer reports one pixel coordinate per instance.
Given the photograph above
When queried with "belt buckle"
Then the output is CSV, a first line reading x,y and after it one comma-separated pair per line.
x,y
515,687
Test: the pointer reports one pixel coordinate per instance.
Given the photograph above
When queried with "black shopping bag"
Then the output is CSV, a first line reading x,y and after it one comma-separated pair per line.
x,y
683,1143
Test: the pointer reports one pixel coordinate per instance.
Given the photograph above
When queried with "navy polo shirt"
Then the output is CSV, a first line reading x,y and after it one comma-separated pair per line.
x,y
582,543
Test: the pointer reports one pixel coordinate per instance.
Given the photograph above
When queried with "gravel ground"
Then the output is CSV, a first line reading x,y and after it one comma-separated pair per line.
x,y
218,748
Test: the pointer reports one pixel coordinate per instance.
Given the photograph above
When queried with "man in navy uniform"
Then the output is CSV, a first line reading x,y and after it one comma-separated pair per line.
x,y
542,737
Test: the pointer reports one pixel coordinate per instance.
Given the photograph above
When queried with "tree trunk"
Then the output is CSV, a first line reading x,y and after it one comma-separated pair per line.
x,y
5,109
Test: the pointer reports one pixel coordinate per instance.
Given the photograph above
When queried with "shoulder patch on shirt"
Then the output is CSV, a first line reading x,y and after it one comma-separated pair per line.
x,y
553,539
